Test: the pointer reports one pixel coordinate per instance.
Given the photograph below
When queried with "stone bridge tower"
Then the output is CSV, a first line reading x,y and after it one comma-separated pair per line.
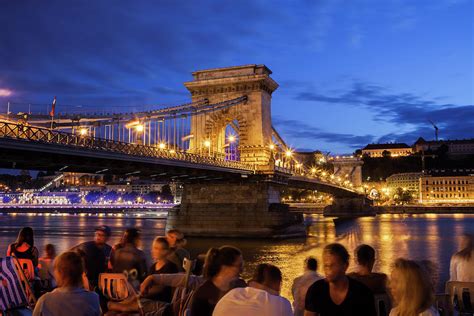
x,y
251,120
349,168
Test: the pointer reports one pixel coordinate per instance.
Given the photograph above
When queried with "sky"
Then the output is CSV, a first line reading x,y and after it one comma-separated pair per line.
x,y
350,72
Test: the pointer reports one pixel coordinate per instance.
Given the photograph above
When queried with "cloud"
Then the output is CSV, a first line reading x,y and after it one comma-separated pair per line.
x,y
296,129
402,109
114,46
5,92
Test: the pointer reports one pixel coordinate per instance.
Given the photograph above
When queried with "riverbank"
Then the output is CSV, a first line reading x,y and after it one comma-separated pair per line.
x,y
151,210
424,209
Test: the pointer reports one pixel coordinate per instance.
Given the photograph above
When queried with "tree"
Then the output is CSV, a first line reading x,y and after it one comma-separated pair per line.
x,y
386,154
74,198
166,193
111,196
92,197
6,199
358,153
151,197
130,197
403,196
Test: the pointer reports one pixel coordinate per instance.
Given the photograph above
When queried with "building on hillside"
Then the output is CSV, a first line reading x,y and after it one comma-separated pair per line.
x,y
455,147
119,187
141,187
447,186
409,181
395,150
82,179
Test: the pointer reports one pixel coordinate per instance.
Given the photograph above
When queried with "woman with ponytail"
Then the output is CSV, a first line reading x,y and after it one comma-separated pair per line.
x,y
222,271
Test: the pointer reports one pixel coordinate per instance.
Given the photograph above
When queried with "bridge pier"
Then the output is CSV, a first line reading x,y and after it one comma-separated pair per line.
x,y
244,209
350,207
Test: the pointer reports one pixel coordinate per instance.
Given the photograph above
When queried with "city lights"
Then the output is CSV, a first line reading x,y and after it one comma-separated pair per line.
x,y
139,128
161,145
207,143
83,131
231,138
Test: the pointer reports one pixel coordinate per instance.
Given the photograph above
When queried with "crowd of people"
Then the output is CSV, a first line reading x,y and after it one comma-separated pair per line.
x,y
69,283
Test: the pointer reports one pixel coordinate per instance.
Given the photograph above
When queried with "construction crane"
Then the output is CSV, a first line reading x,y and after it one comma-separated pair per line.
x,y
436,129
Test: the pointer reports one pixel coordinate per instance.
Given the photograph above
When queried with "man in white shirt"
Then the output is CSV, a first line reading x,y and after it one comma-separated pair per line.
x,y
302,283
461,267
261,297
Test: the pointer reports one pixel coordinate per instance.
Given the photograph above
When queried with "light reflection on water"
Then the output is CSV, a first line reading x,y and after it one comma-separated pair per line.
x,y
418,237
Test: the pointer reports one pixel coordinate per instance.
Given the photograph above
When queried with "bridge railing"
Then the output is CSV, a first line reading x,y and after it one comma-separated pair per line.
x,y
44,135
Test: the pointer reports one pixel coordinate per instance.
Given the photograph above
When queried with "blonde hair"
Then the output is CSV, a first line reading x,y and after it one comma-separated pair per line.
x,y
414,287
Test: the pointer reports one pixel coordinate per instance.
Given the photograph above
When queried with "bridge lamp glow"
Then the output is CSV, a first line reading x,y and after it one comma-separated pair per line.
x,y
288,153
83,131
324,173
313,170
231,138
271,146
139,128
161,145
207,143
172,151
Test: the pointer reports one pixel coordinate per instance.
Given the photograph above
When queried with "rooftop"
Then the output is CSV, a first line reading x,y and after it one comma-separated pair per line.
x,y
421,140
386,146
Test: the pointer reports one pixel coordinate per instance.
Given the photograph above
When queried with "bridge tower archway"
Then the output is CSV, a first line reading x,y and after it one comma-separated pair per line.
x,y
251,119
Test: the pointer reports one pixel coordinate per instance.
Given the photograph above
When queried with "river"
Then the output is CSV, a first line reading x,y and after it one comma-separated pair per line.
x,y
432,237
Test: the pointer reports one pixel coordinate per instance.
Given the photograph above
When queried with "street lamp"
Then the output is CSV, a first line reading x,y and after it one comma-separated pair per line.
x,y
231,138
139,128
161,145
207,143
83,131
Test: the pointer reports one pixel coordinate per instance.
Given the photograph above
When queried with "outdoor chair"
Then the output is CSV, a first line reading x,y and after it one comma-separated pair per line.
x,y
114,286
382,304
16,295
460,287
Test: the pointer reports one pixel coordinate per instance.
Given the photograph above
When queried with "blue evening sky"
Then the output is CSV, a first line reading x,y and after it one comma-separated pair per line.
x,y
350,72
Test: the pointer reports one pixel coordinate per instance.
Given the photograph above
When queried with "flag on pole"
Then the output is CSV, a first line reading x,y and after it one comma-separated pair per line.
x,y
53,107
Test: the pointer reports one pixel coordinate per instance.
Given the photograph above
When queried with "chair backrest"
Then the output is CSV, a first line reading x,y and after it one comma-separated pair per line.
x,y
460,286
383,304
27,266
181,301
114,286
12,291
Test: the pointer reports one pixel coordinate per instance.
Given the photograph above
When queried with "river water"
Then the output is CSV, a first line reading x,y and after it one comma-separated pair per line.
x,y
432,237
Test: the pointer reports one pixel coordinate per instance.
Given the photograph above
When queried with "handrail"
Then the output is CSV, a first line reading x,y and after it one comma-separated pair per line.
x,y
44,135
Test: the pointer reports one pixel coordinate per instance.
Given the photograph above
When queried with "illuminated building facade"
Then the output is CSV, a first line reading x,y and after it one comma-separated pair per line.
x,y
454,147
409,181
395,150
447,187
